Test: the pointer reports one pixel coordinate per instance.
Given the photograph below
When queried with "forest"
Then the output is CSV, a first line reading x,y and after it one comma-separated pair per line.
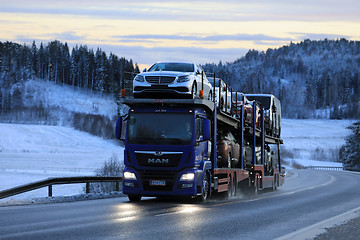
x,y
312,79
81,68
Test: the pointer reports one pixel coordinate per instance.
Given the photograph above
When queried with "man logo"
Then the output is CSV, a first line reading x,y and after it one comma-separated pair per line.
x,y
158,160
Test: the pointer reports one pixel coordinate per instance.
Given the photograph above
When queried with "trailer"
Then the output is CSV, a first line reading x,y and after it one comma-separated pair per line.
x,y
171,150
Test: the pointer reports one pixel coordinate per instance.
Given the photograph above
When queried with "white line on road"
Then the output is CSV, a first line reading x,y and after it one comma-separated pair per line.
x,y
316,229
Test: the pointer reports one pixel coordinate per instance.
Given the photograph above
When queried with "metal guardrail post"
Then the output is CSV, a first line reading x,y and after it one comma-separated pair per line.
x,y
50,190
87,187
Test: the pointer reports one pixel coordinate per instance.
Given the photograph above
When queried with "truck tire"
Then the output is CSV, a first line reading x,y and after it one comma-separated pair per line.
x,y
205,189
254,188
230,188
134,198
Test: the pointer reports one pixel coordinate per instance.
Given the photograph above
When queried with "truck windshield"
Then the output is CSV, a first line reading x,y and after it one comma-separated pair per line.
x,y
160,128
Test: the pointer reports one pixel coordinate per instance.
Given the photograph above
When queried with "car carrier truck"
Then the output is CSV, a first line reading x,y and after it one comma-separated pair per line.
x,y
171,150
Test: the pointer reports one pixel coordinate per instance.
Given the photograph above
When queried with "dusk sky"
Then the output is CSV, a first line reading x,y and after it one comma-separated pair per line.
x,y
182,30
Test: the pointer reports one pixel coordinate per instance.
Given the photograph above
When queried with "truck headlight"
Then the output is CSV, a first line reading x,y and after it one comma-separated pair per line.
x,y
129,176
187,177
183,79
139,78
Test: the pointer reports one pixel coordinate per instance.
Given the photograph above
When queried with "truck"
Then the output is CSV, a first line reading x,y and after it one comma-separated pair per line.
x,y
171,150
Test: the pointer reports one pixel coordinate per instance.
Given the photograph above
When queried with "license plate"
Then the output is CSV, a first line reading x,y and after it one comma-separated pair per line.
x,y
157,182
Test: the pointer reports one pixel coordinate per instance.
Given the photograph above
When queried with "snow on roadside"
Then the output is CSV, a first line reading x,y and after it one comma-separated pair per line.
x,y
306,138
31,153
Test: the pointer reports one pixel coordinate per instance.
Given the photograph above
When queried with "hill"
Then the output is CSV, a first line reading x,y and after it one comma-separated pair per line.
x,y
318,79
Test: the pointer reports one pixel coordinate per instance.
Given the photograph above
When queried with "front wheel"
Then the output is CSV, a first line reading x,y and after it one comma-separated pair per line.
x,y
134,198
205,189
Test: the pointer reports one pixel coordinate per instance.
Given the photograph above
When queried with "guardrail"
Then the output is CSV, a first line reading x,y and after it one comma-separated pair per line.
x,y
325,168
58,181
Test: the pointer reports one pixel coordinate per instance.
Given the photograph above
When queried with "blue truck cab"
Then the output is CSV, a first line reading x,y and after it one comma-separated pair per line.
x,y
168,148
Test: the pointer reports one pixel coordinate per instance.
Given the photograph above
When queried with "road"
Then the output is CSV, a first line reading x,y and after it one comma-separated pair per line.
x,y
306,198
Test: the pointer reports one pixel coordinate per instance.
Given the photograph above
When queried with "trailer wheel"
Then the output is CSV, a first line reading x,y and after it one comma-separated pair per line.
x,y
134,198
274,184
205,189
255,186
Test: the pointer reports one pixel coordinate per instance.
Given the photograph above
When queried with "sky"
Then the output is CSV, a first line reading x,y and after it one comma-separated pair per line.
x,y
208,31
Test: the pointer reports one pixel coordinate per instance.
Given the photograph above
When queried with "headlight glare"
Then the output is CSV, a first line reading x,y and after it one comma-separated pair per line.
x,y
187,177
129,176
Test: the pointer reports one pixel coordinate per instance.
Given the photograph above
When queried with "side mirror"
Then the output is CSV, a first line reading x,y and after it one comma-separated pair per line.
x,y
206,129
118,128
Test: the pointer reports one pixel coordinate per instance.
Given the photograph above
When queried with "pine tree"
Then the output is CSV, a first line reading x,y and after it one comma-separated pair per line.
x,y
350,152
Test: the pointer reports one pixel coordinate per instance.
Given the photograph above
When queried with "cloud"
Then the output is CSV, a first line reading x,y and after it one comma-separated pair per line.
x,y
212,38
318,36
148,56
185,10
69,36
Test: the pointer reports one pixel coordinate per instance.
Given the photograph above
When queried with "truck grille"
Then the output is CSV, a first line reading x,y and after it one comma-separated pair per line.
x,y
159,79
168,177
158,159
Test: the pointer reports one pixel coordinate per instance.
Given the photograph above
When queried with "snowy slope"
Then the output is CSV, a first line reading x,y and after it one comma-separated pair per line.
x,y
32,152
68,98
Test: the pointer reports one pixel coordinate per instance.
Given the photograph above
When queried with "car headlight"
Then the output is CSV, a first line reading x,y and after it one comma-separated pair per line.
x,y
139,78
183,79
129,176
187,177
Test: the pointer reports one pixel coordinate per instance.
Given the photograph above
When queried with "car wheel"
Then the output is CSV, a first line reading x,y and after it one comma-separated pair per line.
x,y
210,96
193,91
229,161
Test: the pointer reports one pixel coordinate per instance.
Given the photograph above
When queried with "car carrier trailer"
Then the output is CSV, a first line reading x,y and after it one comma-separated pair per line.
x,y
171,150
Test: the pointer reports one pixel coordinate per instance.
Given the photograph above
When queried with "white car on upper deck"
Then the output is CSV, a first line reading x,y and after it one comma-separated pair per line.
x,y
172,79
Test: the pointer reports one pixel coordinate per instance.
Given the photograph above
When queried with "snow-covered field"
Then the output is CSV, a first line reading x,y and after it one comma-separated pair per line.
x,y
312,142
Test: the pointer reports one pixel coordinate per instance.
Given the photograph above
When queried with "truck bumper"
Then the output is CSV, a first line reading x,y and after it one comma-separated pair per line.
x,y
162,183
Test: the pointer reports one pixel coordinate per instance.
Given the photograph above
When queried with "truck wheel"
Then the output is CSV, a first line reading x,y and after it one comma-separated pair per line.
x,y
255,186
274,184
205,189
134,198
230,189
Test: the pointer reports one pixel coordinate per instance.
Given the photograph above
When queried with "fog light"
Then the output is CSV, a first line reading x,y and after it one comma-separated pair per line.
x,y
129,184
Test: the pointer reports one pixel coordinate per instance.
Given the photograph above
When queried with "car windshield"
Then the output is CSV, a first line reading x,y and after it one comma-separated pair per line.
x,y
263,100
212,82
160,128
175,67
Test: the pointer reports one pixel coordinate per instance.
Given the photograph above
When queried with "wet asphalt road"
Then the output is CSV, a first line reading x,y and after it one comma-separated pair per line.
x,y
307,197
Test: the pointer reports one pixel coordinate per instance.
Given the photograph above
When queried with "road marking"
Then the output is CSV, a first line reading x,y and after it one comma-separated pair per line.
x,y
316,229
